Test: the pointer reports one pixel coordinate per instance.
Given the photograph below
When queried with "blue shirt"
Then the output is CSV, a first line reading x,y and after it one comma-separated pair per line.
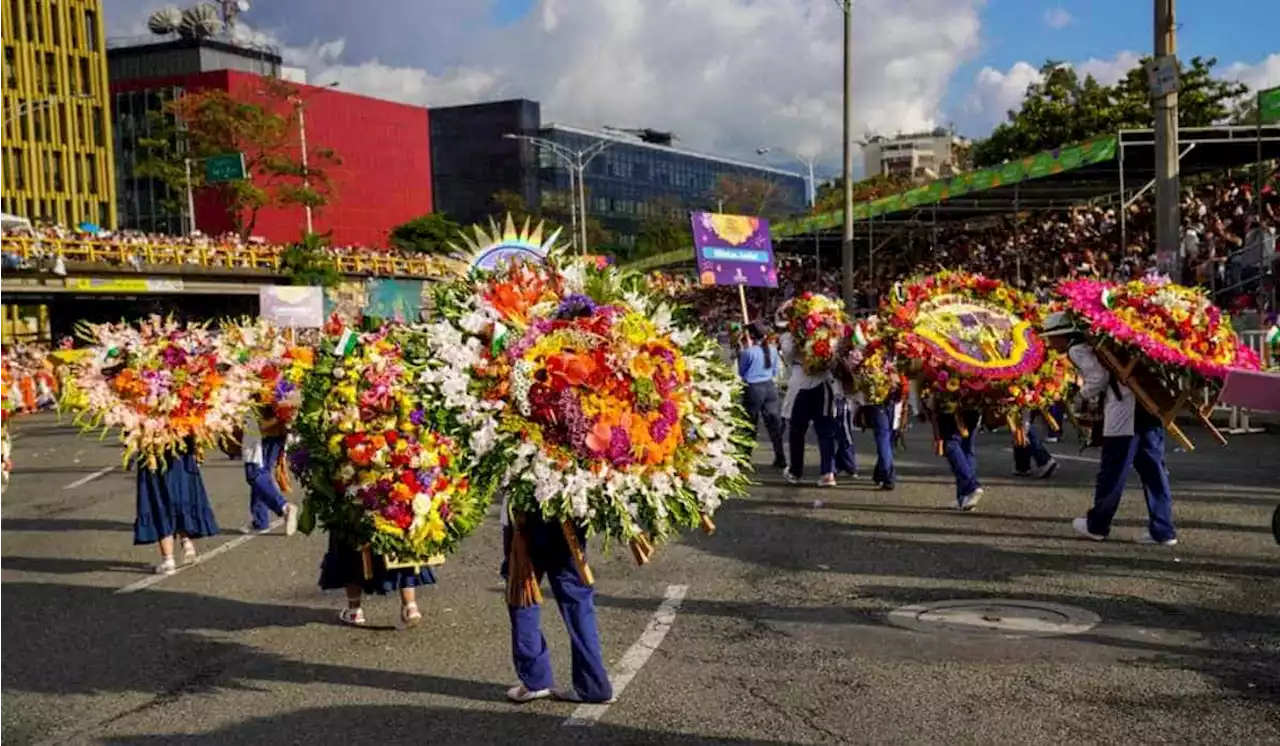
x,y
751,364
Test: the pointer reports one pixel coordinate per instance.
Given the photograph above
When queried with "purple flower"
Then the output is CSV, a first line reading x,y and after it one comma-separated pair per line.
x,y
619,447
669,412
418,416
575,423
575,305
659,429
444,511
299,459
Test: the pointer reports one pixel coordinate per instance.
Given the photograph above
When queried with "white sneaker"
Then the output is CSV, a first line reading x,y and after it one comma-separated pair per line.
x,y
792,478
971,500
1081,526
827,480
521,694
1046,471
1146,538
167,567
290,519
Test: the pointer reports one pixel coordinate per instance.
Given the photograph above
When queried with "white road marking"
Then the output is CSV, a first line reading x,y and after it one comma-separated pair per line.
x,y
201,558
85,480
636,656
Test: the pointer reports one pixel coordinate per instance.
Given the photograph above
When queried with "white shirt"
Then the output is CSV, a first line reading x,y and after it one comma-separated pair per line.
x,y
1117,412
799,380
251,441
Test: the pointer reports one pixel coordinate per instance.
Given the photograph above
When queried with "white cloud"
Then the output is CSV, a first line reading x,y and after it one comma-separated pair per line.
x,y
1057,17
725,75
1265,74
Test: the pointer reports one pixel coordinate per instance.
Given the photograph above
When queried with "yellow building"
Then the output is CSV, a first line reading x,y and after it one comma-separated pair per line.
x,y
57,150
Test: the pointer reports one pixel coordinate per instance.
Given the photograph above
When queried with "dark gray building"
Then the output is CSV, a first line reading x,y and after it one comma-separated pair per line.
x,y
472,161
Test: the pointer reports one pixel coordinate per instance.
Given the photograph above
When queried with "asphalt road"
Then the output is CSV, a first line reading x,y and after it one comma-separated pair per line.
x,y
783,633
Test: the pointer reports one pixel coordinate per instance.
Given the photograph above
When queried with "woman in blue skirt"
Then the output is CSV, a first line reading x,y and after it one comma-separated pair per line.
x,y
360,572
172,502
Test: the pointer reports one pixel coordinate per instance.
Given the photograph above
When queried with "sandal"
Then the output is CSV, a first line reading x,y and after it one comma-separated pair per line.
x,y
353,617
409,615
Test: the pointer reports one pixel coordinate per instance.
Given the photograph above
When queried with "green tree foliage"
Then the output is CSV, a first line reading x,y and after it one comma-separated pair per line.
x,y
665,227
748,195
831,194
263,125
426,234
306,263
1062,108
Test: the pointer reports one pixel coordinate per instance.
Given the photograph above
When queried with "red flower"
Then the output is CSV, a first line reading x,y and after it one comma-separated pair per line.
x,y
392,436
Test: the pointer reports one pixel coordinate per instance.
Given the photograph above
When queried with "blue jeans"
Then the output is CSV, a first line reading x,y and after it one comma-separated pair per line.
x,y
1144,451
551,557
1034,450
846,457
811,406
264,494
882,430
960,450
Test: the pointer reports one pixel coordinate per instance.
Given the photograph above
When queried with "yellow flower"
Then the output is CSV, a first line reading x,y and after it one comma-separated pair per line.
x,y
382,525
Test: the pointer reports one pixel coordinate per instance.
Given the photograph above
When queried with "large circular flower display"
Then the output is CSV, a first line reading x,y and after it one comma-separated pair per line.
x,y
968,336
381,458
1170,324
601,409
163,385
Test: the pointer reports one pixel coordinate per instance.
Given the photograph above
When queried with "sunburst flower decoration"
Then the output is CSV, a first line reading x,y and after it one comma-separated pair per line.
x,y
488,250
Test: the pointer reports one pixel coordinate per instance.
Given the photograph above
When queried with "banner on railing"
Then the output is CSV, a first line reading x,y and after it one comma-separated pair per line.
x,y
292,307
129,285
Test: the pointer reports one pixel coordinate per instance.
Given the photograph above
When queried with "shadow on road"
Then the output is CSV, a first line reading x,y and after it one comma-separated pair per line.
x,y
418,725
64,525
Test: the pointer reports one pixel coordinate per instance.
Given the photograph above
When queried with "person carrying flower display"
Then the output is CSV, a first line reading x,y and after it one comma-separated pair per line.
x,y
1030,456
1143,347
1131,438
880,394
595,411
817,330
263,447
173,391
758,365
383,465
968,345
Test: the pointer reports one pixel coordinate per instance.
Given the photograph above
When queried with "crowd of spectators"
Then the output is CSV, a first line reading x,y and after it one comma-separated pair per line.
x,y
48,247
1224,249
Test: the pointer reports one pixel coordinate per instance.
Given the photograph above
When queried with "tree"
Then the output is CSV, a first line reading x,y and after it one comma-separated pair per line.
x,y
426,234
831,194
306,263
263,125
748,195
1061,108
664,228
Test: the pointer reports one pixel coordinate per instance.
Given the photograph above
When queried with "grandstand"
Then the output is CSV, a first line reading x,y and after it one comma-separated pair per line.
x,y
1111,167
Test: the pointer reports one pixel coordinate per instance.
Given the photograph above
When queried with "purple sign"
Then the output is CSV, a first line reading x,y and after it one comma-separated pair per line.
x,y
733,250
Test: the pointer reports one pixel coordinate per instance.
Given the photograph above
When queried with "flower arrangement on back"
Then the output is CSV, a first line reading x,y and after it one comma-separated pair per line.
x,y
168,388
821,329
600,409
380,458
872,364
278,362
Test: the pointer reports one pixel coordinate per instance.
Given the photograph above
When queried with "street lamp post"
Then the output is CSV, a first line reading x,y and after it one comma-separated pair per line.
x,y
576,161
302,143
846,248
811,187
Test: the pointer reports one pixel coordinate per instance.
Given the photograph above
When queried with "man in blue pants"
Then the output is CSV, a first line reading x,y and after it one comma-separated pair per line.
x,y
1131,437
551,556
883,417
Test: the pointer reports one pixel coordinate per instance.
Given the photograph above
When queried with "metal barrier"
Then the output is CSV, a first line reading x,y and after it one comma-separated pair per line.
x,y
125,253
1238,418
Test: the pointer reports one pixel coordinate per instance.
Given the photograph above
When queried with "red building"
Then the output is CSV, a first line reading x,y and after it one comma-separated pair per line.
x,y
383,180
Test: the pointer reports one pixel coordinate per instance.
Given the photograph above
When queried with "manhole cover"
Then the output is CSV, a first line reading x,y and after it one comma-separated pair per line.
x,y
999,616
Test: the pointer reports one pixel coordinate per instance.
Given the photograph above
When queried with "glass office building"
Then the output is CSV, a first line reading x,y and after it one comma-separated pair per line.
x,y
629,179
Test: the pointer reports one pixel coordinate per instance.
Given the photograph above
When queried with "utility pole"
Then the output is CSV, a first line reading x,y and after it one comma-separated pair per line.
x,y
1164,80
846,247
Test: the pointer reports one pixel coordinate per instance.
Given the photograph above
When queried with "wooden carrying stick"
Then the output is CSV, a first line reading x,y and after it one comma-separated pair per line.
x,y
1125,373
579,556
282,475
522,579
708,527
1014,421
641,549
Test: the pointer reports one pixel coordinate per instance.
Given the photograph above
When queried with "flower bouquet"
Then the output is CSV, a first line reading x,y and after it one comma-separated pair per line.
x,y
375,454
872,365
601,411
278,363
1166,342
163,385
821,330
6,407
971,342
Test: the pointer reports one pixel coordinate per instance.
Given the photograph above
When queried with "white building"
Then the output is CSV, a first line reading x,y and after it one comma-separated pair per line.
x,y
921,155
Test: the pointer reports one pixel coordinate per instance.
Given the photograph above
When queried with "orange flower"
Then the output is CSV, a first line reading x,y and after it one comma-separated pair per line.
x,y
570,369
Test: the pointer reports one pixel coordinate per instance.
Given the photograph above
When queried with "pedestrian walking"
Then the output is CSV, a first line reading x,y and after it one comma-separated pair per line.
x,y
263,445
758,365
172,504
